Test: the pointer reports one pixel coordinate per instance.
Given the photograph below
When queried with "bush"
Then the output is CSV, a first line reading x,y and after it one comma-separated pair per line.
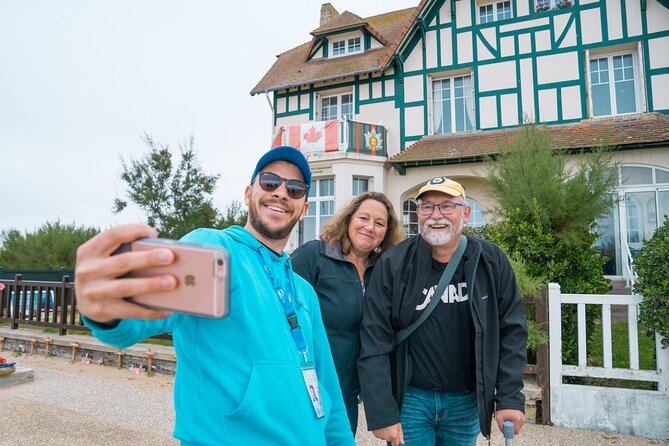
x,y
653,269
527,286
51,246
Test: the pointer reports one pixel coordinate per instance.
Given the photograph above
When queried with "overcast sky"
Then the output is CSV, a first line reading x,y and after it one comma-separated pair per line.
x,y
81,80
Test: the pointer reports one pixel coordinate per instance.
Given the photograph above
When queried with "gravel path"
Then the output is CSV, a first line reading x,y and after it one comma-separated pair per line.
x,y
89,404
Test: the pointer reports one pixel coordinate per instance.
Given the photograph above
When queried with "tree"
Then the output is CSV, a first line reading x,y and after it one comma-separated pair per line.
x,y
549,211
235,214
175,200
653,270
51,246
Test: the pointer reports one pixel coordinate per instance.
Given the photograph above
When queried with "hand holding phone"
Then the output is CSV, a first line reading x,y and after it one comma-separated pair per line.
x,y
202,273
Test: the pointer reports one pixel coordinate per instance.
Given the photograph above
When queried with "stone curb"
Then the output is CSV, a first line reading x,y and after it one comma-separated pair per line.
x,y
163,358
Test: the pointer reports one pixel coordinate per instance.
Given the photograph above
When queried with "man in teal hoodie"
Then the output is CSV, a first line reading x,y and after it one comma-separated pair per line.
x,y
243,379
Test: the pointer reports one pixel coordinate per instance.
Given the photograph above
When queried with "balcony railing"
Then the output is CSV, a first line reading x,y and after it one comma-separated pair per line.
x,y
336,135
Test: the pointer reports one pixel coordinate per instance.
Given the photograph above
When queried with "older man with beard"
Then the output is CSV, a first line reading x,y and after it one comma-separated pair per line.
x,y
247,378
464,358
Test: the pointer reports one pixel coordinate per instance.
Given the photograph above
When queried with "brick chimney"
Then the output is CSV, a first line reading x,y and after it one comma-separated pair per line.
x,y
328,12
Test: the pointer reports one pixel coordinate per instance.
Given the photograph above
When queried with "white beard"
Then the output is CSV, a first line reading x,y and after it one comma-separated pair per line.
x,y
437,238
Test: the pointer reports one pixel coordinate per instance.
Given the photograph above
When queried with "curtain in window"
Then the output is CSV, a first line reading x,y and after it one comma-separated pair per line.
x,y
436,106
469,101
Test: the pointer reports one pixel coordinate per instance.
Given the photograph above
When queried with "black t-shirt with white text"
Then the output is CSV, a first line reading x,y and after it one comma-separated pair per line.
x,y
442,347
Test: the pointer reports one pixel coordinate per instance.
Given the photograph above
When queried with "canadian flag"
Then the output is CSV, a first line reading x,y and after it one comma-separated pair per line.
x,y
278,138
314,136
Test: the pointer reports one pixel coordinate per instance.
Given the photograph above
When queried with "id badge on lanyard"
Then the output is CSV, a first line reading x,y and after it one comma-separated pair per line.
x,y
311,381
308,370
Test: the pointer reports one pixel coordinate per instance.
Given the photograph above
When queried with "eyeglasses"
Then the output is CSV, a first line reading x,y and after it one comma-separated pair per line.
x,y
446,208
269,182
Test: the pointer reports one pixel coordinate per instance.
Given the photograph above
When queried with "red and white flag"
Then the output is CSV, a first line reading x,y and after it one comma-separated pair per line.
x,y
313,137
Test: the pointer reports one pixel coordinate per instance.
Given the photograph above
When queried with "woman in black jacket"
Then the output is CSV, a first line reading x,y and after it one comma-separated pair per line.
x,y
338,266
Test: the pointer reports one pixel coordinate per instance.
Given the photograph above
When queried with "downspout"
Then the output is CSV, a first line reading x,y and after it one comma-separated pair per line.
x,y
271,107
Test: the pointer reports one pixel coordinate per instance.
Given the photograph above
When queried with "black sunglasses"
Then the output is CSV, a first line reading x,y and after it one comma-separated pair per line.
x,y
269,182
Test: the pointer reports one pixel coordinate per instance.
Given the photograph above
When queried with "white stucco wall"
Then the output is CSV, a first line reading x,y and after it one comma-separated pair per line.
x,y
431,49
657,15
446,47
413,88
659,52
660,91
614,19
593,32
415,60
558,67
414,121
497,76
465,46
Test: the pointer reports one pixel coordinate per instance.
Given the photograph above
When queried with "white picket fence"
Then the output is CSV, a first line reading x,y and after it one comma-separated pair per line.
x,y
643,413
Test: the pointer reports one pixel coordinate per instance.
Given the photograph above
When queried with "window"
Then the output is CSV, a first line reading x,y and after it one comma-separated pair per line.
x,y
409,218
503,10
360,185
486,13
495,11
613,85
354,45
476,216
332,107
452,104
346,46
321,209
339,48
547,5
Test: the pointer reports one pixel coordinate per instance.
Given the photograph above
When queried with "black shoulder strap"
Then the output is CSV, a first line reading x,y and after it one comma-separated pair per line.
x,y
446,277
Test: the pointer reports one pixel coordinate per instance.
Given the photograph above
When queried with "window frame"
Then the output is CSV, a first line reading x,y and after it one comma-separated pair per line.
x,y
357,180
339,97
315,199
476,209
410,218
494,16
345,45
638,84
471,115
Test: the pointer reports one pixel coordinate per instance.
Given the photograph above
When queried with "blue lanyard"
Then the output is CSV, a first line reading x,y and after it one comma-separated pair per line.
x,y
286,299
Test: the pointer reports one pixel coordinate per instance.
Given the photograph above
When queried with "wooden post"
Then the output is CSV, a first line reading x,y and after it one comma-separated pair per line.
x,y
2,343
149,369
119,355
47,341
64,305
32,345
74,351
15,305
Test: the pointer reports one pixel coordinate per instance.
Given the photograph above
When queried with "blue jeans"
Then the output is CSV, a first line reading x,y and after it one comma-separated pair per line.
x,y
431,418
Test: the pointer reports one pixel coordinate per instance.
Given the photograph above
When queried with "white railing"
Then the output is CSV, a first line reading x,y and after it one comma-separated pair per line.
x,y
623,410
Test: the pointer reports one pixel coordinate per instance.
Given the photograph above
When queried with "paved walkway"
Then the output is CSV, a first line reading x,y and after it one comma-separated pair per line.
x,y
90,404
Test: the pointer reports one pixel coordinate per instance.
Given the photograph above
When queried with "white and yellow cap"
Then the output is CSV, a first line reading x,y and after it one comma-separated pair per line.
x,y
443,185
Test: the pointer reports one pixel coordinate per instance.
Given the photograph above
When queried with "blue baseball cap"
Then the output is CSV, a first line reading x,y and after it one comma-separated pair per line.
x,y
288,154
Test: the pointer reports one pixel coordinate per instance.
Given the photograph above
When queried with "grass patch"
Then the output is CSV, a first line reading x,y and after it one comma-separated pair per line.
x,y
620,348
620,357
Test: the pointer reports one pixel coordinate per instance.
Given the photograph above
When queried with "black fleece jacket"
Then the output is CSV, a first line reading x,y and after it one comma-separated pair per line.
x,y
499,320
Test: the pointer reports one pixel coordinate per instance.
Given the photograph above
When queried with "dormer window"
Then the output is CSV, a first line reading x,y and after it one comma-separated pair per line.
x,y
339,48
346,46
354,45
495,11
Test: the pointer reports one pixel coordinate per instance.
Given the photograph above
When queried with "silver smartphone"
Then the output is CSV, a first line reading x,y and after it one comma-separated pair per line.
x,y
202,273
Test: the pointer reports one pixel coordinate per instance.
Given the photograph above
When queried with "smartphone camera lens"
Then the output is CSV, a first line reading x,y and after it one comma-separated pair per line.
x,y
219,262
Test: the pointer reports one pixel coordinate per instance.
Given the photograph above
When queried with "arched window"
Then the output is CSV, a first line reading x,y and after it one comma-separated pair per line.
x,y
409,218
476,217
